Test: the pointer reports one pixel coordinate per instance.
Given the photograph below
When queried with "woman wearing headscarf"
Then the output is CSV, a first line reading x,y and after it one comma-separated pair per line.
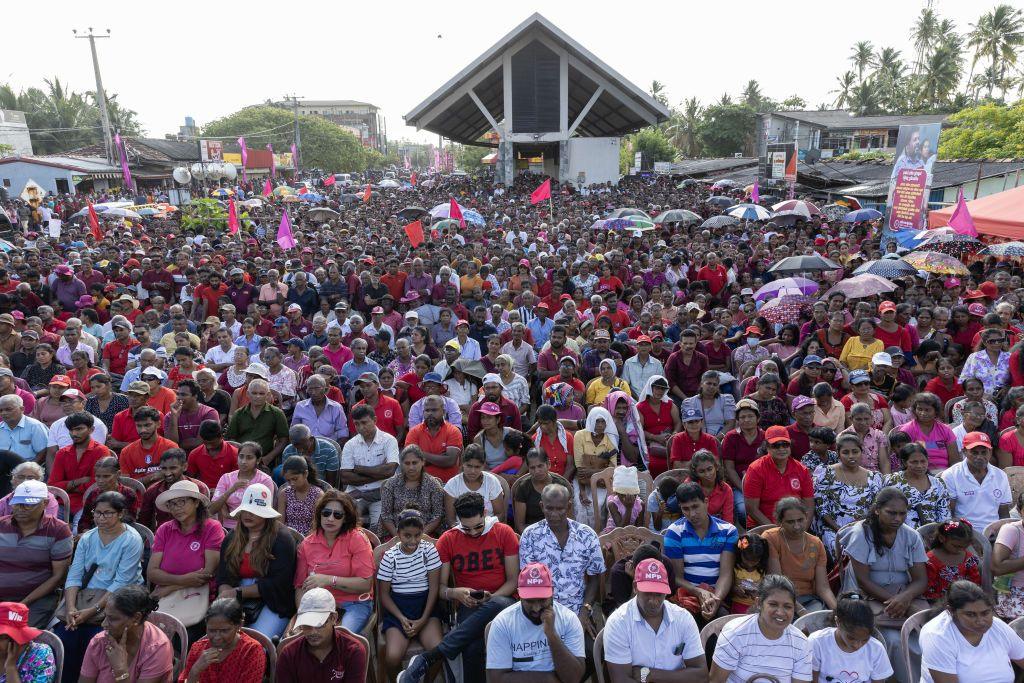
x,y
562,397
628,430
595,447
606,383
660,419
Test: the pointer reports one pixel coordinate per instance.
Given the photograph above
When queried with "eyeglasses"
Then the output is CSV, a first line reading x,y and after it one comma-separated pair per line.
x,y
779,444
178,502
337,514
104,513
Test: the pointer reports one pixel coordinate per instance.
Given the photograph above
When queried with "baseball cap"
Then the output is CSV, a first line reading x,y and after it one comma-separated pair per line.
x,y
692,414
72,393
754,330
377,310
882,358
7,318
973,440
489,408
777,434
952,282
121,323
977,309
236,271
281,320
568,359
886,306
812,360
492,378
644,339
368,377
432,377
316,606
651,577
535,582
601,334
454,344
412,314
153,373
257,500
64,381
257,369
748,403
858,376
894,351
801,402
542,305
30,492
462,322
137,388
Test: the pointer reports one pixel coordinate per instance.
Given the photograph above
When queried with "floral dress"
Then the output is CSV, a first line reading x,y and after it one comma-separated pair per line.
x,y
843,502
36,664
925,506
299,513
941,575
813,461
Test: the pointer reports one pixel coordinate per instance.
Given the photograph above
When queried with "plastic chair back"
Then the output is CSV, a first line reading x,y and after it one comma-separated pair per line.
x,y
57,645
172,627
63,502
268,649
911,626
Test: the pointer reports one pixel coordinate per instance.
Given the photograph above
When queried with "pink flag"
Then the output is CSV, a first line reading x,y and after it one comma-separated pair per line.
x,y
284,233
755,195
273,161
232,217
295,157
245,159
455,213
123,154
267,189
961,220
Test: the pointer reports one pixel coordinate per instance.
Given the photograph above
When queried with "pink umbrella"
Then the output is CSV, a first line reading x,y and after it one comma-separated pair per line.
x,y
787,309
861,286
798,205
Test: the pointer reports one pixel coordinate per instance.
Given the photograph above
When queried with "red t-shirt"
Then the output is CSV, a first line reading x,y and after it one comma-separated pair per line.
x,y
900,338
478,563
558,456
716,278
116,352
138,461
765,483
801,441
447,436
937,387
209,469
211,296
389,415
682,447
742,454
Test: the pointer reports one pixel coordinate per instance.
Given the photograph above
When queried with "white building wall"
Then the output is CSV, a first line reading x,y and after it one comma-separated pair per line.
x,y
14,132
597,159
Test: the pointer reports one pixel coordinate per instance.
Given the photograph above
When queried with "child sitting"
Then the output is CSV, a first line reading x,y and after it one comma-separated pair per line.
x,y
823,449
624,506
706,470
751,567
662,504
950,558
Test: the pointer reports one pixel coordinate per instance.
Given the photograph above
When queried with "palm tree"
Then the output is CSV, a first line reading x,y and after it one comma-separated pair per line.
x,y
751,94
658,92
844,89
866,98
940,75
924,34
725,100
863,57
997,36
684,126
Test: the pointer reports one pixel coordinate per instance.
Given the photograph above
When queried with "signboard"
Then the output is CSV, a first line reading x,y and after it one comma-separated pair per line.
x,y
638,159
662,166
780,162
211,150
911,178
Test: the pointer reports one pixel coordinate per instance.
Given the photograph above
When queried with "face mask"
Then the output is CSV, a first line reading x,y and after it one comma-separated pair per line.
x,y
752,341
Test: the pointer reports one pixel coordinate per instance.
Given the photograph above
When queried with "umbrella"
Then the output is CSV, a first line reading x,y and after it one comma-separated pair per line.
x,y
85,212
222,192
804,264
888,268
629,211
282,190
936,263
323,214
719,222
960,246
7,246
630,223
389,184
862,215
834,212
725,183
123,213
677,216
749,212
1004,250
445,223
788,217
411,212
291,199
851,202
786,309
311,197
470,215
799,206
721,201
253,203
349,198
861,286
772,289
148,211
689,182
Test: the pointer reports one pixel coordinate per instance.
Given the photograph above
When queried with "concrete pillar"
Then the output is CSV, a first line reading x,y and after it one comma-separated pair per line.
x,y
506,162
563,162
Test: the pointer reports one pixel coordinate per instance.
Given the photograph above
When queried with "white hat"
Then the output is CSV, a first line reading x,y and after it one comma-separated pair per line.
x,y
492,378
316,606
881,358
180,489
625,480
258,500
259,370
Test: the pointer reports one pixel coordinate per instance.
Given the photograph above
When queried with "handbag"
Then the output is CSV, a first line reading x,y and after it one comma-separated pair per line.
x,y
87,598
188,604
251,608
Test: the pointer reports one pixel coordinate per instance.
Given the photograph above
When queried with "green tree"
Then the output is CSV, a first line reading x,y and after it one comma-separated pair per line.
x,y
844,89
863,58
940,75
752,95
727,129
793,103
987,131
866,99
650,140
658,92
683,128
324,144
997,37
924,33
469,158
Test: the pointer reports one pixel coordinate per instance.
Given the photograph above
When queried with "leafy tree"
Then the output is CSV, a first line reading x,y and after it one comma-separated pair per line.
x,y
658,92
727,129
683,128
793,103
649,140
469,158
324,144
752,95
940,75
987,131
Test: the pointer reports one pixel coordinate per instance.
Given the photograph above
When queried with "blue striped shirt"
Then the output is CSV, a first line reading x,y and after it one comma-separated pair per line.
x,y
701,556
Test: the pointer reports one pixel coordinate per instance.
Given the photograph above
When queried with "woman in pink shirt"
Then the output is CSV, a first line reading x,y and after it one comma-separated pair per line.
x,y
129,648
936,436
228,494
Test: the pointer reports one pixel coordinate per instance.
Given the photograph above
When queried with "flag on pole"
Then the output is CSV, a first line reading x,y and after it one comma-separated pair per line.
x,y
245,158
541,193
295,157
366,193
273,161
755,195
961,220
232,217
414,231
412,179
94,224
455,213
123,154
329,180
267,189
285,238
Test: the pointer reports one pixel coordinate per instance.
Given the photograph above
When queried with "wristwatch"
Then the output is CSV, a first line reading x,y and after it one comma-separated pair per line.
x,y
644,673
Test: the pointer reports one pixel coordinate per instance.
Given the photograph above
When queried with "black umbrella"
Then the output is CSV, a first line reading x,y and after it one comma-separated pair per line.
x,y
411,212
720,200
803,264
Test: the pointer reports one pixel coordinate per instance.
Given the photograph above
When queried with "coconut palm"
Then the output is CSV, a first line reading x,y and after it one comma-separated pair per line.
x,y
658,92
866,98
844,90
725,100
684,126
940,75
752,95
996,37
863,57
924,34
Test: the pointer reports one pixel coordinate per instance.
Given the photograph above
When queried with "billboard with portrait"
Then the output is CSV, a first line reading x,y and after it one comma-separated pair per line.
x,y
911,177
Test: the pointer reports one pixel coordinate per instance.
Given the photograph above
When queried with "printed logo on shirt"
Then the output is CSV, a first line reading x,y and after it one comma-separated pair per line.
x,y
795,483
338,675
473,562
194,546
388,413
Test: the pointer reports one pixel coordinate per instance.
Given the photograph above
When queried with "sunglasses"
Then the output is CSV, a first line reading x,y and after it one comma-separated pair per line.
x,y
337,514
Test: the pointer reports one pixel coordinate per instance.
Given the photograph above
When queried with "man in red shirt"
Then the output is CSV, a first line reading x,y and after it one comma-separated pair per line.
x,y
115,353
122,430
773,477
141,459
207,297
713,273
440,441
390,416
214,458
686,366
394,280
73,465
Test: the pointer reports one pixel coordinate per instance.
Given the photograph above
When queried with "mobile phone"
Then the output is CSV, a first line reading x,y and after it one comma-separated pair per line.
x,y
477,595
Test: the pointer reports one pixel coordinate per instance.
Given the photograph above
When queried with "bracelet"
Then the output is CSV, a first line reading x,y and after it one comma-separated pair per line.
x,y
123,677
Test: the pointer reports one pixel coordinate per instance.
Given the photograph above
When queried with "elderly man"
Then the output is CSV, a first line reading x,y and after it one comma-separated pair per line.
x,y
539,638
320,414
524,357
649,638
321,652
571,550
979,492
319,451
24,436
637,369
368,458
261,422
148,358
35,552
492,388
71,341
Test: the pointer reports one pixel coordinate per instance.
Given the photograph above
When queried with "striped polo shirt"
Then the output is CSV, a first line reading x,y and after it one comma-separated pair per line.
x,y
701,556
25,562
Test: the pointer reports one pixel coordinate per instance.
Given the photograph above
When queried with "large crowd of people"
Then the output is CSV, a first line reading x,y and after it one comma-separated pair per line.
x,y
518,445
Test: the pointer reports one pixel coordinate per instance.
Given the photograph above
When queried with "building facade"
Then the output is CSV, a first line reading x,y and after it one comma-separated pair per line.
x,y
362,119
14,133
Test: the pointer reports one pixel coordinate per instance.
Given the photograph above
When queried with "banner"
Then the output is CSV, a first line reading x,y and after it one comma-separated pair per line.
x,y
211,150
780,162
911,178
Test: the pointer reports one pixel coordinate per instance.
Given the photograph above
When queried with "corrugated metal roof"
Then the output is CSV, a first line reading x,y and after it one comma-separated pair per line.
x,y
72,163
841,118
944,173
172,149
697,167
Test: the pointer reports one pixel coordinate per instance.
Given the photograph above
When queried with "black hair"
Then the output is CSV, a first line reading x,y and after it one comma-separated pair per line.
x,y
363,411
849,436
410,516
112,498
753,543
469,504
667,487
298,464
474,451
134,599
701,457
146,413
786,504
899,439
108,463
902,392
853,611
210,429
647,551
174,454
874,527
776,582
537,454
962,592
191,385
959,529
826,435
689,491
910,449
517,442
546,413
79,419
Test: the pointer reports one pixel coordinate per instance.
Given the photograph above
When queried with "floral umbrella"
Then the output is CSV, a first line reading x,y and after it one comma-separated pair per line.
x,y
787,309
936,263
834,212
1004,250
960,246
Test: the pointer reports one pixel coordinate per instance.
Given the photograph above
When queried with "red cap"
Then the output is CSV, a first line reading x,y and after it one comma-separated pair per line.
x,y
542,305
975,439
462,322
776,433
754,329
974,294
820,241
565,297
14,623
377,310
977,309
886,306
644,339
989,289
489,408
651,577
61,380
535,582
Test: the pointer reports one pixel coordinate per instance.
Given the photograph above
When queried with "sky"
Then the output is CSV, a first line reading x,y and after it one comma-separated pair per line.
x,y
205,60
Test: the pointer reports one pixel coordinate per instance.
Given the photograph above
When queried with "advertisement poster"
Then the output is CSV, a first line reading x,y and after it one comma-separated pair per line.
x,y
911,178
780,162
211,150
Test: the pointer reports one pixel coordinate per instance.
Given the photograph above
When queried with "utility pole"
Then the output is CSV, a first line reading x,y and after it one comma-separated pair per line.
x,y
101,97
298,138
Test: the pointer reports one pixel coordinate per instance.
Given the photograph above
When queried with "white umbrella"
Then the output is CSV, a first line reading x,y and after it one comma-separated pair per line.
x,y
123,213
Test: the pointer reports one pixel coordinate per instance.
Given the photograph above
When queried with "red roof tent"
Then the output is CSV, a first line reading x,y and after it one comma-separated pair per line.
x,y
999,215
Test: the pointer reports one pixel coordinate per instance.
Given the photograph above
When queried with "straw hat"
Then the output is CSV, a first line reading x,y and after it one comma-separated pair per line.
x,y
180,489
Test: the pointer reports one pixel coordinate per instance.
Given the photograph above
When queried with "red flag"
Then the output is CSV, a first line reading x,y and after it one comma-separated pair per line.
x,y
541,193
434,234
414,231
232,217
303,190
366,193
328,181
94,224
455,213
412,179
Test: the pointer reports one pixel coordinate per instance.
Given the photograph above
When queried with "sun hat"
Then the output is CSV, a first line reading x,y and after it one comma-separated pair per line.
x,y
625,480
14,623
258,370
651,577
137,387
535,582
180,489
316,606
258,500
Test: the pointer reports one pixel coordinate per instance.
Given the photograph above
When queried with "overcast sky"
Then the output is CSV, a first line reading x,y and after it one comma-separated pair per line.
x,y
168,60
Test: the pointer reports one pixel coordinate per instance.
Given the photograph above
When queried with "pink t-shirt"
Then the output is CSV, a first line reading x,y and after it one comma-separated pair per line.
x,y
183,554
235,499
935,442
1011,535
155,658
